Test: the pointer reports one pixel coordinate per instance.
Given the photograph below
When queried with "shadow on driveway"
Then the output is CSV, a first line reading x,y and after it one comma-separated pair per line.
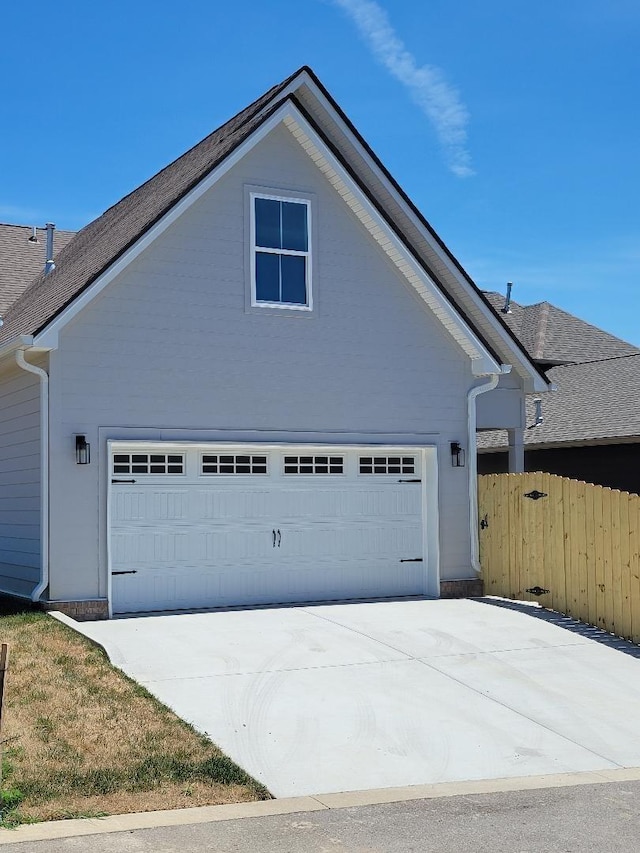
x,y
566,622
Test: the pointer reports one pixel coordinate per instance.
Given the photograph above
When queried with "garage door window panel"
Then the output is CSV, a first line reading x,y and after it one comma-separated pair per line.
x,y
224,463
387,465
148,463
314,465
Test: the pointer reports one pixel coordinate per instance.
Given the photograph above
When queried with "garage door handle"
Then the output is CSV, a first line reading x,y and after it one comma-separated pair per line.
x,y
123,481
412,560
279,538
130,572
409,481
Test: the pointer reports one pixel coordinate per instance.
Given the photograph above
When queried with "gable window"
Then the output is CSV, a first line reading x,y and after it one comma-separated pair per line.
x,y
281,252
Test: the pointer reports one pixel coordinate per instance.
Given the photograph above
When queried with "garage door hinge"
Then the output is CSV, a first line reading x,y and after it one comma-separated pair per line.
x,y
130,572
410,481
412,560
123,481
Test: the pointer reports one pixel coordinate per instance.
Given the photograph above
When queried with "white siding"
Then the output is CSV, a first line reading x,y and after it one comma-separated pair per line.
x,y
169,347
19,481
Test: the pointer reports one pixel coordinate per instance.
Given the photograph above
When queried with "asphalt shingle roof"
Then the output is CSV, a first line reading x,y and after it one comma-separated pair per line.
x,y
100,243
596,401
21,260
553,336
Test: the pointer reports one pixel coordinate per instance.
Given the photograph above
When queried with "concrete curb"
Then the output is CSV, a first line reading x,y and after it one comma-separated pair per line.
x,y
295,805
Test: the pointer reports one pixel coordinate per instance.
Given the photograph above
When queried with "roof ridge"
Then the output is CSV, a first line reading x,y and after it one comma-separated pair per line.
x,y
541,330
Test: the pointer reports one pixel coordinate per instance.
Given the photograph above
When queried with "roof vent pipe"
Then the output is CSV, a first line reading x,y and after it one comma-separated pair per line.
x,y
34,236
48,264
539,416
507,301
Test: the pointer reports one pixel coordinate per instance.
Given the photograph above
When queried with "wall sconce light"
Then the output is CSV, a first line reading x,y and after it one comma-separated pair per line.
x,y
457,455
83,450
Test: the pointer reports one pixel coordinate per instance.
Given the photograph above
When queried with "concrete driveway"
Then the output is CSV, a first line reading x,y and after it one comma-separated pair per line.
x,y
342,697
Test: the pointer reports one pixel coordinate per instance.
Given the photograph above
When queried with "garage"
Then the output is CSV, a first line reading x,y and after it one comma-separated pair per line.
x,y
211,525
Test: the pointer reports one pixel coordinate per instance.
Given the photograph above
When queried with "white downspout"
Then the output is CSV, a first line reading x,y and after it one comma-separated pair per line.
x,y
44,470
472,456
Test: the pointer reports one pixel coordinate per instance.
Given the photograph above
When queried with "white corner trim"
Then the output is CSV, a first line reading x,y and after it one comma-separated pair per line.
x,y
482,362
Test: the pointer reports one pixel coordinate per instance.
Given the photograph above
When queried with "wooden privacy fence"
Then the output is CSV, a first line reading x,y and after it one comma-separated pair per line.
x,y
578,542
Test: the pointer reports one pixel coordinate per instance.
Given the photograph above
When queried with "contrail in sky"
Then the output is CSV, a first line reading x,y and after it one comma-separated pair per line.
x,y
436,98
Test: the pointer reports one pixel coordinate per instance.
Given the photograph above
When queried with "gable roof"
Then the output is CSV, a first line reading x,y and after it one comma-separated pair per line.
x,y
553,336
99,246
22,259
596,403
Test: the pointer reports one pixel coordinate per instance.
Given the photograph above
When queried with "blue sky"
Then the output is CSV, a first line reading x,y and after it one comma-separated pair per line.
x,y
514,126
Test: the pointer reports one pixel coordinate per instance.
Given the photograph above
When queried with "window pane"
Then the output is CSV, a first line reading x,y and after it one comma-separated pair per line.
x,y
294,286
268,223
267,277
294,226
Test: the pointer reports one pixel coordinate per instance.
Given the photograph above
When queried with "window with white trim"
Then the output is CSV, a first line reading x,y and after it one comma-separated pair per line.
x,y
280,251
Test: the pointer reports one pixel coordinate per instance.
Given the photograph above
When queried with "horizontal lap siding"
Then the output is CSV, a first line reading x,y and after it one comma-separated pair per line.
x,y
19,481
169,345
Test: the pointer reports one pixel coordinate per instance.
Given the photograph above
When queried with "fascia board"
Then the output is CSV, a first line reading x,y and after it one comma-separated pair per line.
x,y
537,383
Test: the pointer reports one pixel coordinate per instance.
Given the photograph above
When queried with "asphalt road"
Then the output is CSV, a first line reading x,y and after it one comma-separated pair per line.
x,y
601,818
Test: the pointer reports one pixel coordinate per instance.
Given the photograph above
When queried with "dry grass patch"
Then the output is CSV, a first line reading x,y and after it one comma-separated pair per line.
x,y
83,739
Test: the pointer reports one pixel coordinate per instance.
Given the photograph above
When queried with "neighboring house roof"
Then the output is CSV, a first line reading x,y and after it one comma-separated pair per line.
x,y
596,403
22,259
101,243
553,336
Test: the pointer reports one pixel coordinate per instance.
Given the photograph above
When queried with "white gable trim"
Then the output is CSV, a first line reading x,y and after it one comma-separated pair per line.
x,y
483,362
304,78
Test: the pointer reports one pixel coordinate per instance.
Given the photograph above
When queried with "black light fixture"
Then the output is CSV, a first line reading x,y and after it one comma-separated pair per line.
x,y
83,450
457,455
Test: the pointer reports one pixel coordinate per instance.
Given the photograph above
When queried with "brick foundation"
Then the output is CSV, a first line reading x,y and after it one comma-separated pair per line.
x,y
470,588
82,611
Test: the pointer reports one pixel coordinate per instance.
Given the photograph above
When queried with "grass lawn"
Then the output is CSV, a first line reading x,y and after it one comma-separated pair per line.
x,y
81,739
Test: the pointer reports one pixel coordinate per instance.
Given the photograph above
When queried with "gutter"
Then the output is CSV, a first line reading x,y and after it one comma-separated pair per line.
x,y
44,470
472,451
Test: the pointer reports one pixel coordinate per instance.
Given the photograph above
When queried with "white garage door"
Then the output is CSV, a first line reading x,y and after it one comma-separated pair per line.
x,y
209,526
